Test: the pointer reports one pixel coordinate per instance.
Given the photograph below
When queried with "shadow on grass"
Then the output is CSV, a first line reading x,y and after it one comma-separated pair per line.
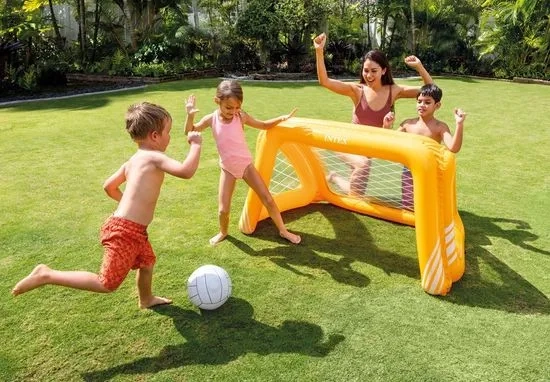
x,y
487,281
79,102
463,78
353,243
223,335
96,100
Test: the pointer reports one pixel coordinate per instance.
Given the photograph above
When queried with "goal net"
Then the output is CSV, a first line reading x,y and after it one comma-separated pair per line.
x,y
371,171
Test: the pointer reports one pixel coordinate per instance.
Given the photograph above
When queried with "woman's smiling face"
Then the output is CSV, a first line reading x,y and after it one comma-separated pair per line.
x,y
372,73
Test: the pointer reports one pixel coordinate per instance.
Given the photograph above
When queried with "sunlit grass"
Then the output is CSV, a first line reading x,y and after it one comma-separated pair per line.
x,y
345,305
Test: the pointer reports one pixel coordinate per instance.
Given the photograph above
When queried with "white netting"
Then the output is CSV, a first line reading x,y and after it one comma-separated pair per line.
x,y
383,182
284,178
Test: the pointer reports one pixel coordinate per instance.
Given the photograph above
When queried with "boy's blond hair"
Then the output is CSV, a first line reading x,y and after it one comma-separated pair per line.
x,y
143,118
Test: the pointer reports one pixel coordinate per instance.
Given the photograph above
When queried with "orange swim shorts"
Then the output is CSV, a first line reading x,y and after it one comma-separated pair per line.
x,y
126,246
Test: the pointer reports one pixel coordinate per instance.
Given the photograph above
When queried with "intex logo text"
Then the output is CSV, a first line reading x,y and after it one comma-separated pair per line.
x,y
340,140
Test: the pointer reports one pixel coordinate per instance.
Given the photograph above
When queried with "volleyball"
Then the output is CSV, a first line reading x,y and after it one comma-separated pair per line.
x,y
209,287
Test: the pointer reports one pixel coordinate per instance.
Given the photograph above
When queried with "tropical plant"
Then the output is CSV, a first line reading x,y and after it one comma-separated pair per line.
x,y
346,35
29,79
37,5
515,36
297,21
258,22
445,34
151,70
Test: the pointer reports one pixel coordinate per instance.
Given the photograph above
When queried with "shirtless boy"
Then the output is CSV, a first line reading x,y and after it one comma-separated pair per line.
x,y
124,234
428,101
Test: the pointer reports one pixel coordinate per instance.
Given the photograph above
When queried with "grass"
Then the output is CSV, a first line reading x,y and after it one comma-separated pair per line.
x,y
346,305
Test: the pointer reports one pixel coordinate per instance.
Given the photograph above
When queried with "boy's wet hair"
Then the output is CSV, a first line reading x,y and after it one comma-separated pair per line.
x,y
431,90
229,89
380,58
143,118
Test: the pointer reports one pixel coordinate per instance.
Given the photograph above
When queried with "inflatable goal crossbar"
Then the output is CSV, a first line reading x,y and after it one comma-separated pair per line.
x,y
300,142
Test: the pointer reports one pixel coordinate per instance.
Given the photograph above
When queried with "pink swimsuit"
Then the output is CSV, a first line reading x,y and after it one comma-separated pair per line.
x,y
364,115
234,154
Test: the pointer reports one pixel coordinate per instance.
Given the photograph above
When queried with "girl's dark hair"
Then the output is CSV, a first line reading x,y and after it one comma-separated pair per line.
x,y
380,58
431,90
229,89
144,118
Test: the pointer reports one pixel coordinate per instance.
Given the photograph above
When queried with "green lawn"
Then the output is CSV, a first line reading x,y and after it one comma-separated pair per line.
x,y
346,305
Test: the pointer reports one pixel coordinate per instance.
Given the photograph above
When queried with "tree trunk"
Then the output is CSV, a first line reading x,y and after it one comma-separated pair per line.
x,y
195,9
81,10
369,44
129,25
392,33
83,23
59,41
413,42
383,32
97,19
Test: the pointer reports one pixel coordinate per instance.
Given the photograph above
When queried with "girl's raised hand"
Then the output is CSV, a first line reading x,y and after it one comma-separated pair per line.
x,y
291,114
190,105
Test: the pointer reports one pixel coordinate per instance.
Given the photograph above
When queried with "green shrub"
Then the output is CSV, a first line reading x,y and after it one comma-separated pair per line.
x,y
120,64
29,79
152,70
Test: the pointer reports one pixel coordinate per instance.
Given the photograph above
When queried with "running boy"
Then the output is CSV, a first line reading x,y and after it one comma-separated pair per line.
x,y
124,234
227,124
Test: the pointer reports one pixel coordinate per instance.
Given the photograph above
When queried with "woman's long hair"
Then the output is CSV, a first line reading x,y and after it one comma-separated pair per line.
x,y
380,58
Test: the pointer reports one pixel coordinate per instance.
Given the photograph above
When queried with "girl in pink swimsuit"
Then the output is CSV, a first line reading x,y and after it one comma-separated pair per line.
x,y
227,124
373,97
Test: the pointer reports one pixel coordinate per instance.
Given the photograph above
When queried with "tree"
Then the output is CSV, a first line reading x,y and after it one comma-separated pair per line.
x,y
297,21
36,6
515,36
258,22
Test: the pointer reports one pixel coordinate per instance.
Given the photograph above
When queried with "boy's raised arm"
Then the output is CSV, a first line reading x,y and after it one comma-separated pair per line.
x,y
191,162
188,167
454,142
388,120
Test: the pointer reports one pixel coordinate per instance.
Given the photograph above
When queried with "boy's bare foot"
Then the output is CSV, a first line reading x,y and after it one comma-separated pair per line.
x,y
154,301
294,239
35,279
217,239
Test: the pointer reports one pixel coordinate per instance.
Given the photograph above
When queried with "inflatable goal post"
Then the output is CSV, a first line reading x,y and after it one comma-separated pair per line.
x,y
296,157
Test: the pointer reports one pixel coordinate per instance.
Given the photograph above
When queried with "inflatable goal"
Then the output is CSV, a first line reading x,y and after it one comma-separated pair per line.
x,y
298,158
